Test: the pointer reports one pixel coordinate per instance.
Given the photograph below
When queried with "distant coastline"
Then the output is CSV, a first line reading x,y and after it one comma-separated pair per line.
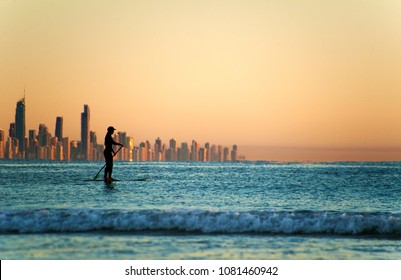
x,y
320,154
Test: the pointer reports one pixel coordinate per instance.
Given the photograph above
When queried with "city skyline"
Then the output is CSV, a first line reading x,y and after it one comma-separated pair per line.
x,y
44,146
288,80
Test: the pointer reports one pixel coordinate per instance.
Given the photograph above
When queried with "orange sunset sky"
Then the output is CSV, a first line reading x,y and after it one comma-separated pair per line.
x,y
282,79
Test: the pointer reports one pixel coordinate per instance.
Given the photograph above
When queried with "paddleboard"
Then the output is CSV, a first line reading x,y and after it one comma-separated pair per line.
x,y
124,180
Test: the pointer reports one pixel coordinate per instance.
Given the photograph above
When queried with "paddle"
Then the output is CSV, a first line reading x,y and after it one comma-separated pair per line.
x,y
94,178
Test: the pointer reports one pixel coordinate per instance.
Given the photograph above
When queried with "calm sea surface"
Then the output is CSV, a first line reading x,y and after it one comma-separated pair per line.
x,y
166,210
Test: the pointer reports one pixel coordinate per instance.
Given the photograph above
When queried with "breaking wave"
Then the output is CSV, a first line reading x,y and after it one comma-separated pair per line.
x,y
200,221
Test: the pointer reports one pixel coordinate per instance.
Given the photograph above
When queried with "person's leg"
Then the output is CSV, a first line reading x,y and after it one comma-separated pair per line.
x,y
109,165
107,171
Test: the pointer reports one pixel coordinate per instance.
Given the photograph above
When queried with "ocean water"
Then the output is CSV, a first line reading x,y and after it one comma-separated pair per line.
x,y
185,210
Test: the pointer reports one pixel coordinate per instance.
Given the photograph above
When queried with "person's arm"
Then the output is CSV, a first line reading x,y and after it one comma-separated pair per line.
x,y
117,144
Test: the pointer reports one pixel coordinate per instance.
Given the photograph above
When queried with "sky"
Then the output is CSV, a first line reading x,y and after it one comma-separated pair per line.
x,y
300,80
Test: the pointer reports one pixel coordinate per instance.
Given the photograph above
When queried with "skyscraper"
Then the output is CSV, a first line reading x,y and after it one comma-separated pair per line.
x,y
226,153
143,152
158,149
2,143
11,131
234,153
184,152
172,151
85,133
20,126
44,137
59,128
32,142
195,151
67,148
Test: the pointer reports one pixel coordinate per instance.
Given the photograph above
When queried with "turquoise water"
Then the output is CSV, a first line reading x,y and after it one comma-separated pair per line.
x,y
167,210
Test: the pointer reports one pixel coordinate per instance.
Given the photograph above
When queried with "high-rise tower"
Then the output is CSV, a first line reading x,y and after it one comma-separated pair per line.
x,y
158,149
11,131
20,126
2,143
85,133
234,153
59,128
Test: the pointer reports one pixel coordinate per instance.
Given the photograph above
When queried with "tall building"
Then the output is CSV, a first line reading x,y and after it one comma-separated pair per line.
x,y
32,143
11,131
74,150
173,144
195,151
143,152
66,148
202,154
85,133
44,136
59,128
130,147
8,153
93,138
2,143
158,149
149,151
171,153
96,150
20,126
214,154
59,150
234,153
226,153
184,152
220,153
207,149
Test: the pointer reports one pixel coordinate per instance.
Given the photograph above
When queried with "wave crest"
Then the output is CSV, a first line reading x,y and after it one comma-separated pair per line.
x,y
202,221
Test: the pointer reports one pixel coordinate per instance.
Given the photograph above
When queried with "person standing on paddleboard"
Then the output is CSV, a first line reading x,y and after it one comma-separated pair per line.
x,y
109,153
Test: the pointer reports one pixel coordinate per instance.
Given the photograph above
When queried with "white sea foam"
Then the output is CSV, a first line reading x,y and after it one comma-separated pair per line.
x,y
271,222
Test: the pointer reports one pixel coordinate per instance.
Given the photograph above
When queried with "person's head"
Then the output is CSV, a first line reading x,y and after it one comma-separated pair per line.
x,y
110,129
